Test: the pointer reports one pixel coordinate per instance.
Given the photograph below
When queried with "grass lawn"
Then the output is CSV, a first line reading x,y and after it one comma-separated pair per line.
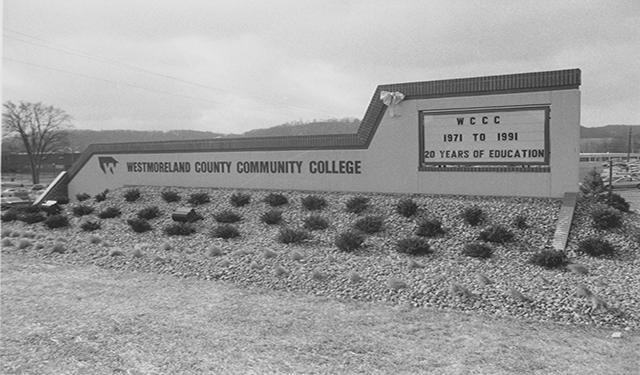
x,y
67,319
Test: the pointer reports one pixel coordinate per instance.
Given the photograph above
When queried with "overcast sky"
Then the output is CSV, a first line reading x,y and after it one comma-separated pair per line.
x,y
233,66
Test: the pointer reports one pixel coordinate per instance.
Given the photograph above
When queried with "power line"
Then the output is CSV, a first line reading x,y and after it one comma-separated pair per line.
x,y
106,80
80,53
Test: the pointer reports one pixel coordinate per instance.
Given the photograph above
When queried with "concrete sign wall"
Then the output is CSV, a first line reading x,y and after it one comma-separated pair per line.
x,y
502,135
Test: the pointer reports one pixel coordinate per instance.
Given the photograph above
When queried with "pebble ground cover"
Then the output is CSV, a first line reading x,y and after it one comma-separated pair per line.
x,y
503,284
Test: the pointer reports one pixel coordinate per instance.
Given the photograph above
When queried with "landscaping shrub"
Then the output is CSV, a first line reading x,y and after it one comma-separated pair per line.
x,y
315,222
595,247
289,235
10,215
225,231
606,218
82,197
520,222
58,249
414,246
56,221
349,241
473,215
109,212
369,224
179,229
62,200
314,202
90,226
170,196
31,218
271,217
357,204
592,183
275,200
227,216
100,197
149,213
497,234
131,195
139,225
31,209
477,250
197,199
549,259
406,207
429,228
617,202
240,199
23,244
82,210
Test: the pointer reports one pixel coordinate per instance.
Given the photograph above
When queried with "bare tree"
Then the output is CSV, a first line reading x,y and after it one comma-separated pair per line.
x,y
41,128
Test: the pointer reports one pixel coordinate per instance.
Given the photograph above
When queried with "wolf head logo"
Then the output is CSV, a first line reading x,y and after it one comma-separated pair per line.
x,y
107,162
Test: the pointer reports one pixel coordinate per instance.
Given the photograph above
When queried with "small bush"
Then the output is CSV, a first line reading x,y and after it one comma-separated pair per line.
x,y
131,195
170,196
82,197
82,210
109,212
414,246
197,199
101,196
62,200
6,242
58,249
596,247
288,235
477,250
240,199
349,241
606,218
406,207
31,209
429,228
95,240
10,215
496,234
56,221
225,231
357,204
139,225
23,244
149,213
31,218
179,229
473,215
276,200
617,202
272,217
315,222
549,259
227,216
90,226
520,222
369,224
592,183
314,202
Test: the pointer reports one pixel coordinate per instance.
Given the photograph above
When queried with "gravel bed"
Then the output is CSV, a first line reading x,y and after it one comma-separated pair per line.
x,y
503,285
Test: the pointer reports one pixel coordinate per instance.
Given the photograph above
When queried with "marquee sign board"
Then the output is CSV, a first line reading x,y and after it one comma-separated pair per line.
x,y
492,136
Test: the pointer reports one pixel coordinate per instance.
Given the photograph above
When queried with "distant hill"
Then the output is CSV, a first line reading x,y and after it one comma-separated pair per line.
x,y
343,126
610,138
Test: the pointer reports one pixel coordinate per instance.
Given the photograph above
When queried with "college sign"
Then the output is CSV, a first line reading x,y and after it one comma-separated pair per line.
x,y
504,136
515,135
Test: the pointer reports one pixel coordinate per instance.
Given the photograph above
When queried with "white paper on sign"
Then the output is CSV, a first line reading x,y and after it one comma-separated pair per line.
x,y
391,99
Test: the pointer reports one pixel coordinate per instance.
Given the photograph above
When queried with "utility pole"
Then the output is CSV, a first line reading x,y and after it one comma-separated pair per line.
x,y
629,146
